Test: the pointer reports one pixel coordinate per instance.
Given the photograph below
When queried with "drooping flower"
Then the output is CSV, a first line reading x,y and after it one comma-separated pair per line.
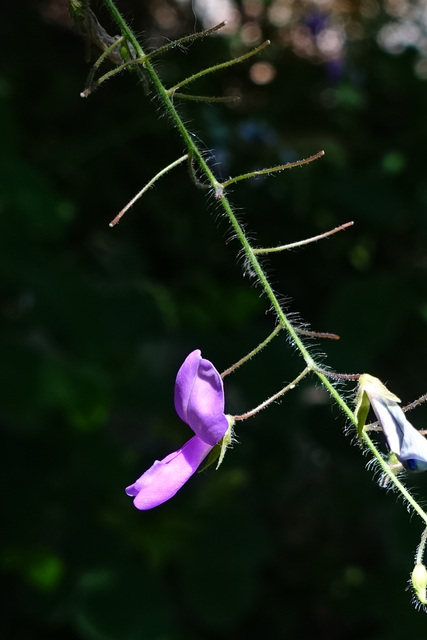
x,y
199,401
409,446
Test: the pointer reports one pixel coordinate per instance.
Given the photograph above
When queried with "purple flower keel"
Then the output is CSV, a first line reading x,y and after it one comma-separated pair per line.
x,y
165,477
199,401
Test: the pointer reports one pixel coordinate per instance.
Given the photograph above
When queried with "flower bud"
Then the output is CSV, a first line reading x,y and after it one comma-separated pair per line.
x,y
419,582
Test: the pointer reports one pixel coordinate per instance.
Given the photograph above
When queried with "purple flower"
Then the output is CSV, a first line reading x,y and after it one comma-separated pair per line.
x,y
199,398
199,401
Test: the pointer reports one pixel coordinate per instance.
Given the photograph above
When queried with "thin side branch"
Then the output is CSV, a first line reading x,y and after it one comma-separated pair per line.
x,y
250,355
147,186
276,396
217,67
300,243
187,96
90,84
336,376
318,334
188,39
277,169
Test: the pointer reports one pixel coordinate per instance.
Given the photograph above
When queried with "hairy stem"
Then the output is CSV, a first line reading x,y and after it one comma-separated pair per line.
x,y
283,320
276,396
217,67
421,547
252,353
270,170
300,243
149,184
252,259
391,476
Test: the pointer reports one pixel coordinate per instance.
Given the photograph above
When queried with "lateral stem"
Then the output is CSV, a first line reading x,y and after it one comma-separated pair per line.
x,y
415,403
421,547
188,39
263,405
276,169
301,243
147,186
250,355
187,96
317,334
217,67
143,59
89,83
336,376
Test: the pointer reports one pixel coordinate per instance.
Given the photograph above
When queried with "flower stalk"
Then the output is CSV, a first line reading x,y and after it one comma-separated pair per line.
x,y
300,243
217,67
277,169
276,396
149,184
252,353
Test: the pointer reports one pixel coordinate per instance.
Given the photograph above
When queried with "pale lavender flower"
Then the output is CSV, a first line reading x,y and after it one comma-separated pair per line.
x,y
199,401
408,444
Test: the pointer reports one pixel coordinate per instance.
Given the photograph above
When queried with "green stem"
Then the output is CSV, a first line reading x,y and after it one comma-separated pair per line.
x,y
149,184
276,396
300,243
217,67
421,547
89,82
317,334
196,155
188,39
131,63
277,169
393,478
188,96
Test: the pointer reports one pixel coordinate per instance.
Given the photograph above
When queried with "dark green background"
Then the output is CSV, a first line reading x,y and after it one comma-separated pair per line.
x,y
291,537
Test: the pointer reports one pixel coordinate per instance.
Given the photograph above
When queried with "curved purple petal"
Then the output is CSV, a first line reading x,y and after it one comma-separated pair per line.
x,y
165,477
199,398
184,383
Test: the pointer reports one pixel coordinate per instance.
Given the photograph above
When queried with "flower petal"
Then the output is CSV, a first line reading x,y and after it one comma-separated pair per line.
x,y
184,383
165,477
199,398
403,439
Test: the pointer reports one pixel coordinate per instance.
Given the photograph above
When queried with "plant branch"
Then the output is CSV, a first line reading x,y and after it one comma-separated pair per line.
x,y
276,396
217,67
252,353
300,243
283,320
276,169
188,96
147,186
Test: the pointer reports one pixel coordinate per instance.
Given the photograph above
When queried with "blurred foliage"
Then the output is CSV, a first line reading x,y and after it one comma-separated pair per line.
x,y
291,536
